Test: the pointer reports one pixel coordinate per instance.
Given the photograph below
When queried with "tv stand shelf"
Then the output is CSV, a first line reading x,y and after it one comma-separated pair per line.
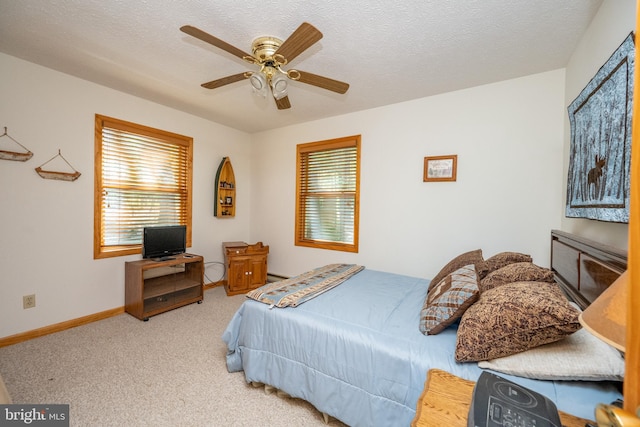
x,y
155,286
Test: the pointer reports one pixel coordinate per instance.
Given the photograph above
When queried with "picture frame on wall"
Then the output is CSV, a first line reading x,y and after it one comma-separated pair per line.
x,y
440,168
598,182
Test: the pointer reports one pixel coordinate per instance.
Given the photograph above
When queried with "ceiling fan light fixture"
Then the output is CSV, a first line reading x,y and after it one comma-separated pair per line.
x,y
259,84
279,86
258,81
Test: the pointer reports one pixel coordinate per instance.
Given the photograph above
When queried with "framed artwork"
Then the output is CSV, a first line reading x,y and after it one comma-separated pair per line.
x,y
600,155
440,168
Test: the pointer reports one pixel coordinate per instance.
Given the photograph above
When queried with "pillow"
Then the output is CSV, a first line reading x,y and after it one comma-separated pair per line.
x,y
471,257
516,272
513,318
500,260
448,300
578,357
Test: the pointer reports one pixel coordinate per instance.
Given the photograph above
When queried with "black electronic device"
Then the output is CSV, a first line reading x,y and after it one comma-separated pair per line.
x,y
164,241
498,402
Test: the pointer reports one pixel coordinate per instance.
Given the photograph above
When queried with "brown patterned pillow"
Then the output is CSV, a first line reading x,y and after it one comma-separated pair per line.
x,y
513,318
500,260
516,272
449,299
471,257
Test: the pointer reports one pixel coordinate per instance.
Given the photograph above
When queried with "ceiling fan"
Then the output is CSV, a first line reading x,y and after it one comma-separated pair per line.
x,y
271,54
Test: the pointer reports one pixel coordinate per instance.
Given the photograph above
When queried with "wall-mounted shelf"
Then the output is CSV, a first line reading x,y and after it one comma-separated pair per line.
x,y
225,196
62,176
14,155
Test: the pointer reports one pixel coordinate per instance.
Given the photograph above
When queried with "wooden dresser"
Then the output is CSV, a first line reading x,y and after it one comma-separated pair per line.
x,y
246,266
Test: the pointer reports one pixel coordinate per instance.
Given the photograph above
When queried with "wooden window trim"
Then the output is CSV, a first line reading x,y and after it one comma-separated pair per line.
x,y
332,144
100,251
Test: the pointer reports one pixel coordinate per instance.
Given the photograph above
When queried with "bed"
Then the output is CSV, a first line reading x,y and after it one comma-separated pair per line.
x,y
357,352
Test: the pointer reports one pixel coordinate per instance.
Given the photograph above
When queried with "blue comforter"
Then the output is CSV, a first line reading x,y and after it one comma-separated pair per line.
x,y
356,352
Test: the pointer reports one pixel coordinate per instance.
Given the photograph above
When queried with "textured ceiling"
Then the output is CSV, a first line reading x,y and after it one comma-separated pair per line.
x,y
389,51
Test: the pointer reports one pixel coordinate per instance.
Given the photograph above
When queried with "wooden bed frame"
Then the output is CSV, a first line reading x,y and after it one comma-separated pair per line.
x,y
584,268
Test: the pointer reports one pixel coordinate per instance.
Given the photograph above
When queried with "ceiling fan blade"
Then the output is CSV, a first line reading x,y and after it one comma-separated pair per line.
x,y
283,103
205,37
301,39
323,82
224,81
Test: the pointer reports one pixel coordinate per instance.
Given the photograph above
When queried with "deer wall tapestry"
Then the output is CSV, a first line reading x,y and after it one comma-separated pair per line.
x,y
599,163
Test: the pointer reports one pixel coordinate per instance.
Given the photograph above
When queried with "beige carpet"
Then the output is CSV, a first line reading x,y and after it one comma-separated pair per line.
x,y
169,371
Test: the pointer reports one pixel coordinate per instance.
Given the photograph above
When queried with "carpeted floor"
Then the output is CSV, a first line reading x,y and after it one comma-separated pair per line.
x,y
169,371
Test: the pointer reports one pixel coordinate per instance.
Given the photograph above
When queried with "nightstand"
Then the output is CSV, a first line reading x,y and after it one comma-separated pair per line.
x,y
446,398
246,266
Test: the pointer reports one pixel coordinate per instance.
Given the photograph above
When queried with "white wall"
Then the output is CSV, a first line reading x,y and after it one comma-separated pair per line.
x,y
509,140
46,226
613,23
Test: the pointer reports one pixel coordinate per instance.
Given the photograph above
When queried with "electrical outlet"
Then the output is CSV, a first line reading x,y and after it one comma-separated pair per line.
x,y
29,301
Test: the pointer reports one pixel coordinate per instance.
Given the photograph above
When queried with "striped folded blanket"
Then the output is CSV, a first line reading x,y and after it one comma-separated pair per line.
x,y
296,290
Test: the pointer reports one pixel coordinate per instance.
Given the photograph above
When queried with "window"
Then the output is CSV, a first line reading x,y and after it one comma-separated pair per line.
x,y
142,178
328,194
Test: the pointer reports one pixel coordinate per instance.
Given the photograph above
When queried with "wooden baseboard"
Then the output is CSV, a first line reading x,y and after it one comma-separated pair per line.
x,y
46,330
35,333
214,284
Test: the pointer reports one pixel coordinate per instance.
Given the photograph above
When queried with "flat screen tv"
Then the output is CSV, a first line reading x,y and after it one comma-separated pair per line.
x,y
164,241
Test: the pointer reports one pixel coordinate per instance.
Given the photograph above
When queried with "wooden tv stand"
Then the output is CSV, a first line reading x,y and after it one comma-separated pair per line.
x,y
155,286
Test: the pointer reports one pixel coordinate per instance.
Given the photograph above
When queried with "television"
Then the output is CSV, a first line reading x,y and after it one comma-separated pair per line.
x,y
164,241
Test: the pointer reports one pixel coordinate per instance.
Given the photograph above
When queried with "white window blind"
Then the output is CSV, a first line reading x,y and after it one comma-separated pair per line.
x,y
143,178
328,194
